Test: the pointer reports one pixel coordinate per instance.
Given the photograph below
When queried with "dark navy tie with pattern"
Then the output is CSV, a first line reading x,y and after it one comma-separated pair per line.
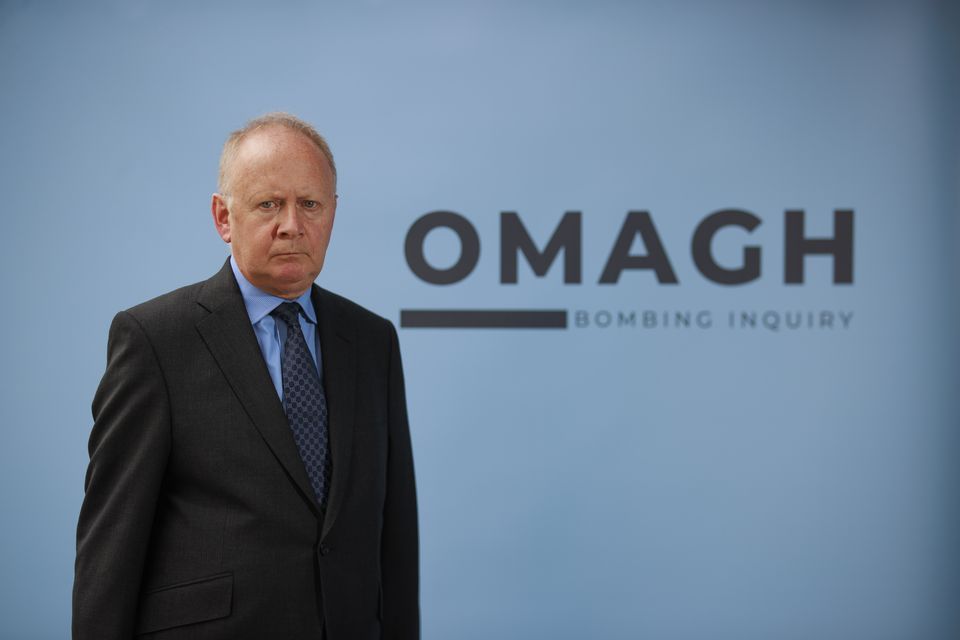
x,y
304,402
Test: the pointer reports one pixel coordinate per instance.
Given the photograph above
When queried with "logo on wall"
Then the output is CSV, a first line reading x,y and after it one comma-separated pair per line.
x,y
516,243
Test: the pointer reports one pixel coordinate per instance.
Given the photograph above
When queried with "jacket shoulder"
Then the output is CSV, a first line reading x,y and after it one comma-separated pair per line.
x,y
358,315
172,302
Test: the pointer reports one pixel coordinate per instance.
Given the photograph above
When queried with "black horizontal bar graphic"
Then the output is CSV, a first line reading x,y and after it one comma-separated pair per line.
x,y
483,318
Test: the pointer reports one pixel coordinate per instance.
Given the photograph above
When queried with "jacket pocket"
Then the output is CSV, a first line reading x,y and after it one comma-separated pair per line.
x,y
183,603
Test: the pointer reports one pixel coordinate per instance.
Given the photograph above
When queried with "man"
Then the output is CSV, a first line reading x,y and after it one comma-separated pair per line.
x,y
250,467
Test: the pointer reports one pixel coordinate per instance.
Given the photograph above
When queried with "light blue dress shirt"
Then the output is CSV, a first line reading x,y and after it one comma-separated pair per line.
x,y
272,334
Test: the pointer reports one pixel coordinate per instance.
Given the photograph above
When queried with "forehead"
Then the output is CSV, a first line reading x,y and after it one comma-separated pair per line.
x,y
277,153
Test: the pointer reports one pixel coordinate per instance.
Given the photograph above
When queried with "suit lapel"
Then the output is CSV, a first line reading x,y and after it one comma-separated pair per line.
x,y
338,351
229,337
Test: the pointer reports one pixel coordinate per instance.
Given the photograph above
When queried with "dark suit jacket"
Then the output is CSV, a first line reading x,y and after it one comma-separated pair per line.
x,y
199,520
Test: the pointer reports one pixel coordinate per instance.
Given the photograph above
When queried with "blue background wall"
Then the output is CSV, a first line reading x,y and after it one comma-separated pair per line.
x,y
606,483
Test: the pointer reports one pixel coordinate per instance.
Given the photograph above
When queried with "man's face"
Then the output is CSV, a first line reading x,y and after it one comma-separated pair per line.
x,y
278,212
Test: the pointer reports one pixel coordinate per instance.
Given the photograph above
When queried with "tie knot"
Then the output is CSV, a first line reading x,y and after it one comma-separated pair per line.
x,y
288,312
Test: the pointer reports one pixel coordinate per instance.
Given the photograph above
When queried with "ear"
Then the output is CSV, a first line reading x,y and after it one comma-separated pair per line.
x,y
333,212
221,216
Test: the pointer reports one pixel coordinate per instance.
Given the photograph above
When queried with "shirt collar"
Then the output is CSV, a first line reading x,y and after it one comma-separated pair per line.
x,y
259,303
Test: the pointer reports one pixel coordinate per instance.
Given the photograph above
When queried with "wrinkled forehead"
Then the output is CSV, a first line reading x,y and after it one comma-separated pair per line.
x,y
265,152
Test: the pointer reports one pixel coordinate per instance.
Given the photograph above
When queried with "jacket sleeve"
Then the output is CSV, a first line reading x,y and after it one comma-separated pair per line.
x,y
129,445
400,564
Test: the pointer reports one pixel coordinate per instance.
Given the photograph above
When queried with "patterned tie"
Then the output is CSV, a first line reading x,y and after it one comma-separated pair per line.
x,y
305,403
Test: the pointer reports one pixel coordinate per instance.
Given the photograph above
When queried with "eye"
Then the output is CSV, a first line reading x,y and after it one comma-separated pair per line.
x,y
268,205
310,204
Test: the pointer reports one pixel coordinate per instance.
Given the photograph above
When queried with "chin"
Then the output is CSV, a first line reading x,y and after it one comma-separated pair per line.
x,y
294,280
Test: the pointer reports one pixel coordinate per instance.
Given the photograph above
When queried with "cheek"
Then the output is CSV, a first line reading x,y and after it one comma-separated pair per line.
x,y
321,236
254,243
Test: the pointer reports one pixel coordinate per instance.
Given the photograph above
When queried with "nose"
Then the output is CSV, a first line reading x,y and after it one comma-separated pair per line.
x,y
288,222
